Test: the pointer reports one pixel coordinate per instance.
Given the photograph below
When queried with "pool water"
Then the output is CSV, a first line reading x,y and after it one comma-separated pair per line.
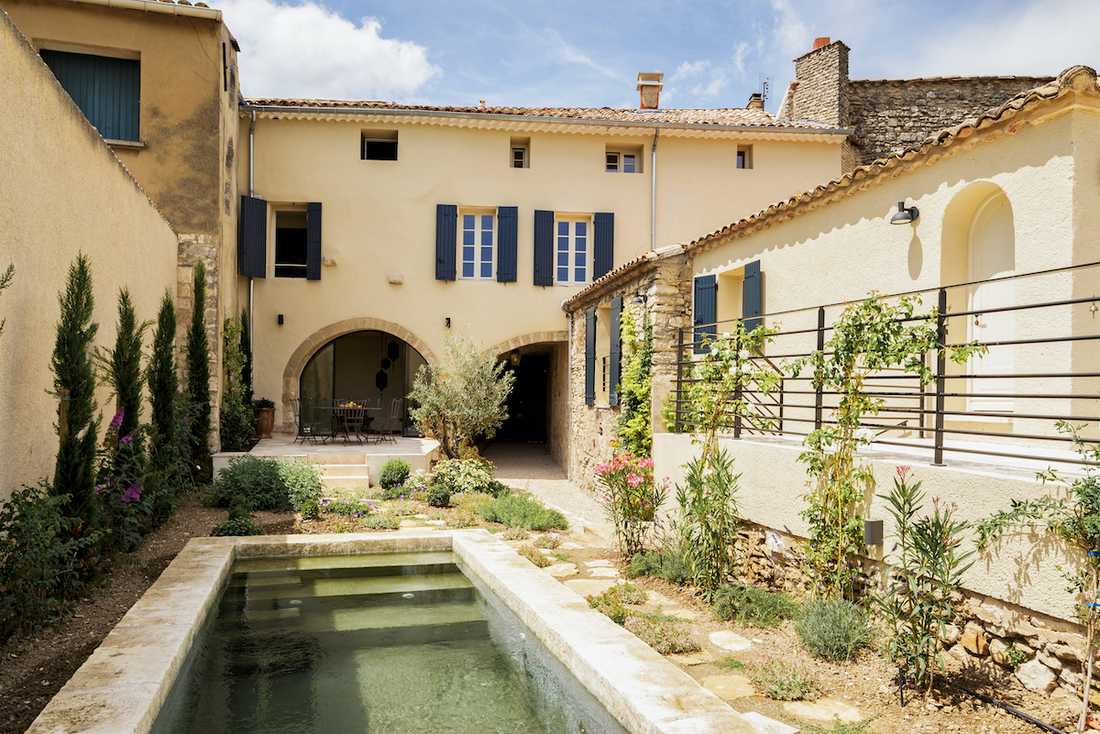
x,y
389,643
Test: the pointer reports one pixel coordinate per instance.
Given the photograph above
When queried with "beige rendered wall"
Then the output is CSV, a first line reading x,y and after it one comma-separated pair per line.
x,y
773,483
379,223
62,192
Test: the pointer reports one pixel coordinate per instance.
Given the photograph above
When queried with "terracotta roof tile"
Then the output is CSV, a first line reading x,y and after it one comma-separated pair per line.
x,y
737,116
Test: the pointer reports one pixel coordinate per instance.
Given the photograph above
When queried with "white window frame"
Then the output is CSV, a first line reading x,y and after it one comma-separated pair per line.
x,y
479,259
615,167
570,249
619,165
523,151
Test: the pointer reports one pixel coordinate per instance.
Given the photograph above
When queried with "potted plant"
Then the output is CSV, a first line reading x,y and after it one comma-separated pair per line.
x,y
265,416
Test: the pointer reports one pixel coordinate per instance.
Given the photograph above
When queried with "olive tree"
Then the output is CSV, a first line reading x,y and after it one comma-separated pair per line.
x,y
461,399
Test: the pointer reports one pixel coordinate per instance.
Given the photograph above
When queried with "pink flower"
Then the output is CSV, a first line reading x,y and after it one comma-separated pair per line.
x,y
602,468
100,488
132,493
127,439
903,472
634,480
646,463
117,420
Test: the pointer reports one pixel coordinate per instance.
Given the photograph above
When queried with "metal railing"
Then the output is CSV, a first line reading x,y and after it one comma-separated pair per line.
x,y
1041,366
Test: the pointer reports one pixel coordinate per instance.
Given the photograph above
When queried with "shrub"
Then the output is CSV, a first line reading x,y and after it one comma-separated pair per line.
x,y
464,475
531,553
497,488
346,508
310,510
198,379
239,522
396,493
439,496
253,479
834,629
664,634
463,399
74,385
708,517
394,473
548,541
631,498
668,564
752,605
781,681
522,511
121,367
302,482
635,388
381,521
39,558
120,489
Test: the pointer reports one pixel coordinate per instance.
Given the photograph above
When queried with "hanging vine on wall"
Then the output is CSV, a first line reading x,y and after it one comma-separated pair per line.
x,y
871,337
636,386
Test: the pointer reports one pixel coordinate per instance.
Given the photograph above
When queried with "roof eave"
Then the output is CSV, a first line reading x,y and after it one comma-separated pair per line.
x,y
548,119
157,6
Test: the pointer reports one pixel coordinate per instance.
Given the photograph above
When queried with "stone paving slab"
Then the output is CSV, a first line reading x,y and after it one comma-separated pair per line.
x,y
825,709
729,686
729,641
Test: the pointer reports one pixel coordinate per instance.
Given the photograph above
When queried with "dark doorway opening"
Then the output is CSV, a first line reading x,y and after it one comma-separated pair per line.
x,y
528,405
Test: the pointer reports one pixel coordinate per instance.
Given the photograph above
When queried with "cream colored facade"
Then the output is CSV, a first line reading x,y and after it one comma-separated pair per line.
x,y
88,203
379,222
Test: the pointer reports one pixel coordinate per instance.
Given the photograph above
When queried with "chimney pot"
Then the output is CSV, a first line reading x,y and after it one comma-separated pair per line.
x,y
756,101
821,41
649,89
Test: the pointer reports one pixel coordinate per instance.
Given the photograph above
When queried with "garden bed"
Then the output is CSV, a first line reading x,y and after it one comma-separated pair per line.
x,y
35,667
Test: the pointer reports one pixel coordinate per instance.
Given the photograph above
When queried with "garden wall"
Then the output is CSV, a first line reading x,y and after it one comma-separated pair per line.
x,y
63,191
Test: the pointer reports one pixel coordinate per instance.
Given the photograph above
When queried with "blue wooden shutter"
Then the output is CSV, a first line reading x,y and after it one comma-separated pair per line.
x,y
614,359
603,258
106,89
446,234
706,311
752,296
252,237
507,242
544,247
590,357
313,241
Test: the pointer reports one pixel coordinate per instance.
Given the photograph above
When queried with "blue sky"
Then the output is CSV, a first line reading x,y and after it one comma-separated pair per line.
x,y
573,52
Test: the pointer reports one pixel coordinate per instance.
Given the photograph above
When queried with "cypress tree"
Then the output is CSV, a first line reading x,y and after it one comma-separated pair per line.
x,y
74,384
198,379
122,365
246,350
162,379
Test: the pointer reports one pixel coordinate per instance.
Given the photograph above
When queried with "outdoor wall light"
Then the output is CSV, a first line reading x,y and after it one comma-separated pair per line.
x,y
447,321
279,319
905,214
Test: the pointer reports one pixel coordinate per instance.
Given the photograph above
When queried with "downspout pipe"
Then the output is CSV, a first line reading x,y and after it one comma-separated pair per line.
x,y
653,190
251,192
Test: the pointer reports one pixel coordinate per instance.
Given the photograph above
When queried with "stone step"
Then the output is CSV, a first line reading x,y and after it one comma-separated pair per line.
x,y
332,471
337,457
342,485
264,579
251,566
339,591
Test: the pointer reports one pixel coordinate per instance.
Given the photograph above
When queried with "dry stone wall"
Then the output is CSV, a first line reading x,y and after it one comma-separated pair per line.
x,y
193,249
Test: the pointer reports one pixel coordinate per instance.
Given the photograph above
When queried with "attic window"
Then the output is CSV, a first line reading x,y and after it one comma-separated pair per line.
x,y
520,153
744,156
379,145
623,159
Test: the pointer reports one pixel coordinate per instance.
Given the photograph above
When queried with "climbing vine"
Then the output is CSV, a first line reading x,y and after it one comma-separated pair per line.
x,y
870,337
636,385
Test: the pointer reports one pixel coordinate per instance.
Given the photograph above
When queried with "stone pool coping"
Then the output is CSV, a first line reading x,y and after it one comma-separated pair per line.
x,y
124,683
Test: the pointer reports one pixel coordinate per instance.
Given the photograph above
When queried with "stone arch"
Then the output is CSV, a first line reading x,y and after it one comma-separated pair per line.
x,y
301,356
525,340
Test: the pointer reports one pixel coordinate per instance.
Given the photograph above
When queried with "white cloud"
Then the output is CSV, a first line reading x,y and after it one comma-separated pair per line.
x,y
1042,37
567,53
689,69
307,50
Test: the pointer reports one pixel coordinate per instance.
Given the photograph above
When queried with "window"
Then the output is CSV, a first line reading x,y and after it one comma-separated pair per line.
x,y
520,153
623,160
290,244
744,156
478,244
105,88
571,263
379,145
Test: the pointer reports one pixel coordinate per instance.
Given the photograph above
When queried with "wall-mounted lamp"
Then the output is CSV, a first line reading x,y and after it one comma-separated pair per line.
x,y
447,321
279,319
905,214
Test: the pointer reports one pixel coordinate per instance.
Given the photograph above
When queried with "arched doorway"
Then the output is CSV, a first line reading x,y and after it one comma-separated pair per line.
x,y
992,255
371,367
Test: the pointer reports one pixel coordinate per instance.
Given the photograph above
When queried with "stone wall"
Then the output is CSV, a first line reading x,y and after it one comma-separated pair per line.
x,y
891,114
193,249
1043,652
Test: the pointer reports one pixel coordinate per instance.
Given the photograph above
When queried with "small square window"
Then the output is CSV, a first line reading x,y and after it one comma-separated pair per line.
x,y
629,165
379,145
623,159
612,162
744,156
519,153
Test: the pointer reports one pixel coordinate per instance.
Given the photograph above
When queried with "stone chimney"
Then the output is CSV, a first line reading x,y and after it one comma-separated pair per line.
x,y
649,89
819,90
756,101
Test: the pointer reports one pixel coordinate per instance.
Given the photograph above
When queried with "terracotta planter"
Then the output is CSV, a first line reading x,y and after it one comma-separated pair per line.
x,y
265,422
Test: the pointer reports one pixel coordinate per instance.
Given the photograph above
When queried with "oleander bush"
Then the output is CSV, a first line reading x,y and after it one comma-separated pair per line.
x,y
522,511
394,473
834,629
752,605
